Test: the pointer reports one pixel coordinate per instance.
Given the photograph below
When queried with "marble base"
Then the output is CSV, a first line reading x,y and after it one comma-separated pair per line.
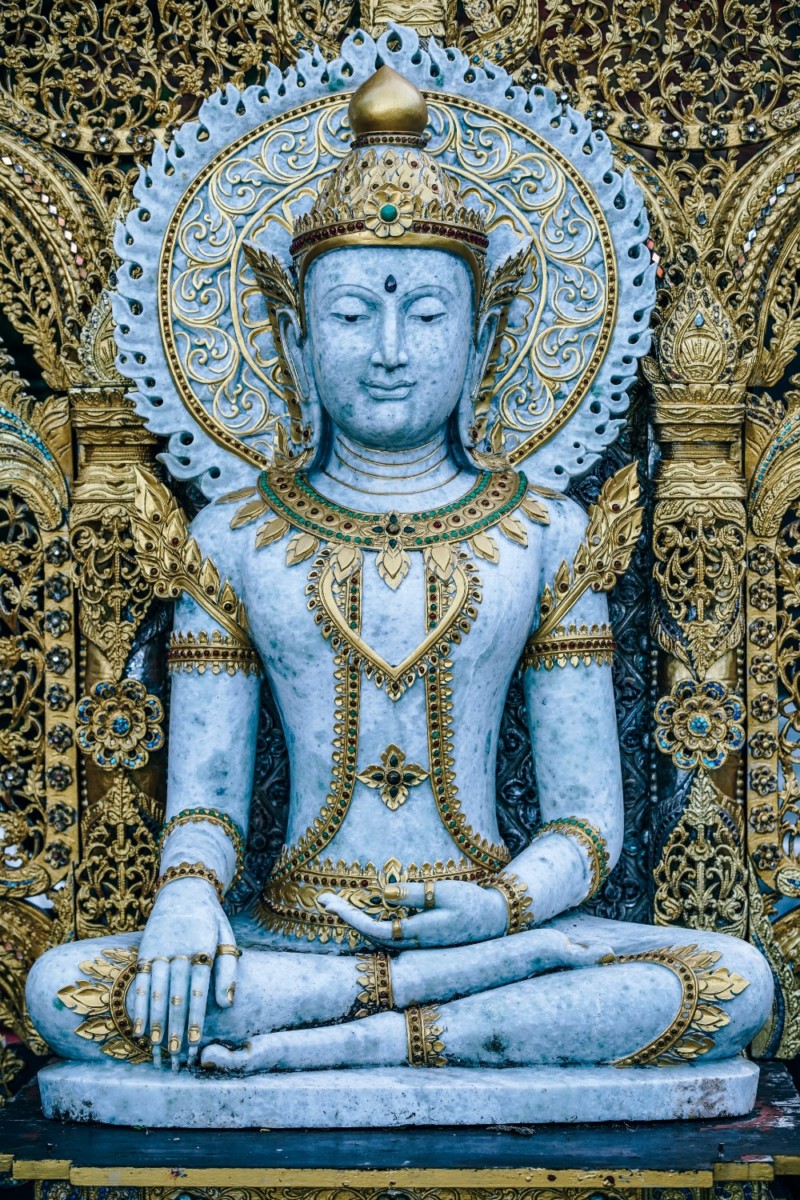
x,y
119,1094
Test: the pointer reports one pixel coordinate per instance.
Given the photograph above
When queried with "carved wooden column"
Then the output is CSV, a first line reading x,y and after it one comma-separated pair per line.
x,y
699,530
119,711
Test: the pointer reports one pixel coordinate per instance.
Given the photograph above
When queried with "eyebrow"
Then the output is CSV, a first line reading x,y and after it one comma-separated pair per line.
x,y
368,295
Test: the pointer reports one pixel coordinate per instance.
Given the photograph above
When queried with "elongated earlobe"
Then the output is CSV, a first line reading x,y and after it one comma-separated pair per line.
x,y
293,342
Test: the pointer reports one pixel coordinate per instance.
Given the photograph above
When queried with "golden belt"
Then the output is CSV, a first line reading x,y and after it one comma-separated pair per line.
x,y
290,904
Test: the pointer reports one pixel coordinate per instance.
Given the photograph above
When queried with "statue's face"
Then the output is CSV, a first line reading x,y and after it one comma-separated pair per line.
x,y
389,348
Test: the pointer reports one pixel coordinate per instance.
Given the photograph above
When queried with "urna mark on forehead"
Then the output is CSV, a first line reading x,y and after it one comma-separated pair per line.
x,y
385,272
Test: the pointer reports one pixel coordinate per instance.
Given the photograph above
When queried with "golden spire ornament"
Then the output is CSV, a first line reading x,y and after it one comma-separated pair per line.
x,y
388,189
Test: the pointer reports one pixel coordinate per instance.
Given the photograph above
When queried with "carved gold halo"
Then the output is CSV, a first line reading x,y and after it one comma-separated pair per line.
x,y
436,101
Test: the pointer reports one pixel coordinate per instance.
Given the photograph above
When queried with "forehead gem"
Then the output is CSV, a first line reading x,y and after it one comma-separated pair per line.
x,y
388,213
390,284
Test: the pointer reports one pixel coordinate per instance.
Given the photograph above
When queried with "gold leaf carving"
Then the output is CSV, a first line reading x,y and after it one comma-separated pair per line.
x,y
172,560
272,531
485,546
701,878
301,547
615,523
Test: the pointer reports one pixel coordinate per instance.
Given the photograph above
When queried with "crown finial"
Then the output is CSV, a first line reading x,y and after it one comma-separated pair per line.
x,y
388,104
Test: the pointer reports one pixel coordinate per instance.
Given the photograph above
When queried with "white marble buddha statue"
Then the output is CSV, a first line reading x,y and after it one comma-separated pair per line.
x,y
391,586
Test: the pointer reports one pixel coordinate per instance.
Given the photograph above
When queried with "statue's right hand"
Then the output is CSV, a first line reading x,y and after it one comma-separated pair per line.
x,y
186,937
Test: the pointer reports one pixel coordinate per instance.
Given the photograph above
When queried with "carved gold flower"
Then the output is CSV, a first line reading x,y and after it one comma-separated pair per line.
x,y
393,776
388,212
699,723
120,724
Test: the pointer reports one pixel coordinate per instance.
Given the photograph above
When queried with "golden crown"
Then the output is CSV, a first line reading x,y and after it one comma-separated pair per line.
x,y
388,189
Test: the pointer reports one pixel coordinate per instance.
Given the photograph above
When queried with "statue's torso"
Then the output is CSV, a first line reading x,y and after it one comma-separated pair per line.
x,y
329,708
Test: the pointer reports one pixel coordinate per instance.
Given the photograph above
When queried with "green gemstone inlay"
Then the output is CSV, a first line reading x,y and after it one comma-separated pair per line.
x,y
388,213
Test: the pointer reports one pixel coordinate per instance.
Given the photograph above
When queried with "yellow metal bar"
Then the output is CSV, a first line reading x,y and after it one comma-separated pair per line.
x,y
118,1176
763,1169
787,1164
42,1168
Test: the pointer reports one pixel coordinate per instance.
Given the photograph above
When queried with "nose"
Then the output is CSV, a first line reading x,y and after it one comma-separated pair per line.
x,y
390,348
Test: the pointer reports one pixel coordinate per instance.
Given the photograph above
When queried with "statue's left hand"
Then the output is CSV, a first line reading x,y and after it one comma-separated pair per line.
x,y
461,913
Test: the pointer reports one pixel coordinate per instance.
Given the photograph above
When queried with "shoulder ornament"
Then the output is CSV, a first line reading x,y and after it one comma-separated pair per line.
x,y
615,523
172,559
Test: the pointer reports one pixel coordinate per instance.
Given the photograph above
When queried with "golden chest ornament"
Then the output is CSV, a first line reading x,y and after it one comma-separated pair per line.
x,y
337,537
338,541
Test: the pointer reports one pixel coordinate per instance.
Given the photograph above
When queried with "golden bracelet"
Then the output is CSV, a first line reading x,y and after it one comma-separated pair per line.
x,y
187,870
520,913
213,816
592,841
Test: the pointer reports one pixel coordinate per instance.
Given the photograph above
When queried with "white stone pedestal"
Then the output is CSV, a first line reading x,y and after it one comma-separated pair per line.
x,y
120,1094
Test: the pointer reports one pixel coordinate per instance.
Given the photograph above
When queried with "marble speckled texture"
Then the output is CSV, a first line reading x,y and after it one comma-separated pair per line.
x,y
401,1096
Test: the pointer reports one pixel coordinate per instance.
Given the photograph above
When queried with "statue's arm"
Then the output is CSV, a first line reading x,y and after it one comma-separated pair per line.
x,y
214,704
573,731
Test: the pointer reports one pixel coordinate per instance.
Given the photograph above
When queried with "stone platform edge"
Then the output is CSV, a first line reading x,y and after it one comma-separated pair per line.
x,y
124,1095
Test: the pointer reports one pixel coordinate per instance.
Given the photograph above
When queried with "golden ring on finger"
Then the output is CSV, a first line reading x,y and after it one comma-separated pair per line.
x,y
397,930
159,958
176,1001
194,1034
202,960
158,995
394,892
144,966
175,957
429,894
226,948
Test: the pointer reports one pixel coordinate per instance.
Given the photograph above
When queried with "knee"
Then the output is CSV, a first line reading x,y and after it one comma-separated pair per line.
x,y
750,1005
61,994
50,1016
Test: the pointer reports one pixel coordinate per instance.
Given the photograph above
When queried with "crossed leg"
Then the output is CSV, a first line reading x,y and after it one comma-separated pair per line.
x,y
505,1002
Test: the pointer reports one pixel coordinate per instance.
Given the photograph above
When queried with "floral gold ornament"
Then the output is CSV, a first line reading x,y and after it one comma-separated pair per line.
x,y
101,1001
393,777
120,724
699,724
704,986
700,877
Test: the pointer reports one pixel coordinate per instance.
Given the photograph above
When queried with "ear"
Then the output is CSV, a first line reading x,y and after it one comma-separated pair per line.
x,y
293,343
484,344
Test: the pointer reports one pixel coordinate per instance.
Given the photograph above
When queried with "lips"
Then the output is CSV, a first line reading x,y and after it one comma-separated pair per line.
x,y
394,391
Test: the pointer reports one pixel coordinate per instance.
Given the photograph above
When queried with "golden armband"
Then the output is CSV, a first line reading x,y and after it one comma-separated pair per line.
x,y
570,646
217,653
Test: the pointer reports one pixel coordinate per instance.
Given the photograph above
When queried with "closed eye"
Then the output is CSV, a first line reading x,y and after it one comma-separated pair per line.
x,y
350,318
